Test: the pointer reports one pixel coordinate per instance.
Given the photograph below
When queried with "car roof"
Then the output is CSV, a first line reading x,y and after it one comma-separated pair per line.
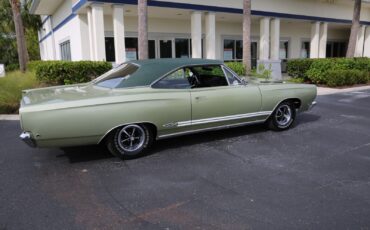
x,y
151,69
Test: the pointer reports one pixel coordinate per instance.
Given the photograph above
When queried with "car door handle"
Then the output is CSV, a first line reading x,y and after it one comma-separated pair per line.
x,y
200,97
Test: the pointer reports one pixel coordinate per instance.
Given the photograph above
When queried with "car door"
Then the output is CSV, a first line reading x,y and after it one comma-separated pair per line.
x,y
222,99
172,94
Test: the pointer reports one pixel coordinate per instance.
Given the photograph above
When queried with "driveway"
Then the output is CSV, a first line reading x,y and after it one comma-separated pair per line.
x,y
314,176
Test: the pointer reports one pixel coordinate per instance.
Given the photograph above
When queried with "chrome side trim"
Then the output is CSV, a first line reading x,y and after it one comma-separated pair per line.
x,y
224,118
209,129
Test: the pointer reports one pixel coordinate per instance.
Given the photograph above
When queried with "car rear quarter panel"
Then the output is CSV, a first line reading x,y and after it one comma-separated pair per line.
x,y
273,94
86,122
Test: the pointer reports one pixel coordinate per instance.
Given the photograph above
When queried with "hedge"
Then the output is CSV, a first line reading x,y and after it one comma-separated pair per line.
x,y
67,72
297,68
317,71
336,78
237,67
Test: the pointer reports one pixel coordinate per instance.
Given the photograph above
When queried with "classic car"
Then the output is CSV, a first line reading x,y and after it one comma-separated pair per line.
x,y
138,102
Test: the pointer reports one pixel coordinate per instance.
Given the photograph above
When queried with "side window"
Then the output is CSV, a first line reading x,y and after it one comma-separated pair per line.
x,y
208,76
175,80
231,78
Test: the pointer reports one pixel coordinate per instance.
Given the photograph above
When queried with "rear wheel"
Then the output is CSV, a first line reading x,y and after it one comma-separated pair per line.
x,y
130,141
283,117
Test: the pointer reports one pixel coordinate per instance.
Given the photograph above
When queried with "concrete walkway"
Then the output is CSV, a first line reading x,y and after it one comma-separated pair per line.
x,y
320,91
327,91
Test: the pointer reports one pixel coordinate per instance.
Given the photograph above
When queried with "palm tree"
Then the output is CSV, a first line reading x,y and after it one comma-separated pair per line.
x,y
246,35
354,29
19,31
143,29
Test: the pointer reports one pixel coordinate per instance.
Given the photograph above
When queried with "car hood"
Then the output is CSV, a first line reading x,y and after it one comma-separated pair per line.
x,y
59,94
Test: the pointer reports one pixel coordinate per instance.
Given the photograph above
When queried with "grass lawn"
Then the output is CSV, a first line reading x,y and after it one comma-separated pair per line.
x,y
11,87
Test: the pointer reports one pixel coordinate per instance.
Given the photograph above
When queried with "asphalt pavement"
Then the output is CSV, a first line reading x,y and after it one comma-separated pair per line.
x,y
313,176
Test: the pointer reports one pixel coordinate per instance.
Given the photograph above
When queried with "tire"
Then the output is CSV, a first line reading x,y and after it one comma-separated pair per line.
x,y
283,117
130,141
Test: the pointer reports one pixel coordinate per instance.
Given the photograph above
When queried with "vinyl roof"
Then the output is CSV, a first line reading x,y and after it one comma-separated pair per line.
x,y
152,69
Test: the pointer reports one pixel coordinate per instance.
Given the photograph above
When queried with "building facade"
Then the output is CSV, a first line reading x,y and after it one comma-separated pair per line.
x,y
281,29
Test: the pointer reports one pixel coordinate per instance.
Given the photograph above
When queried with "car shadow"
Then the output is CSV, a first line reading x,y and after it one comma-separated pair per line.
x,y
100,152
86,153
306,118
205,137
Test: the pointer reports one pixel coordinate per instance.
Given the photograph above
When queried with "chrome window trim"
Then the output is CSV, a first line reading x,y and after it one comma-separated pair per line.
x,y
232,72
180,67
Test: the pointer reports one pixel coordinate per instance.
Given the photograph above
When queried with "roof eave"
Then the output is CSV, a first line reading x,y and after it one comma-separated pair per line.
x,y
34,5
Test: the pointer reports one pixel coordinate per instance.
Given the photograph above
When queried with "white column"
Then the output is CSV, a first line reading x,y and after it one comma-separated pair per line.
x,y
91,34
367,42
98,31
315,40
264,38
323,39
359,52
210,30
82,37
119,33
196,34
275,38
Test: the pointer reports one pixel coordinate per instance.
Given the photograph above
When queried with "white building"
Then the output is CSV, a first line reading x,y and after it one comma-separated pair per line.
x,y
281,29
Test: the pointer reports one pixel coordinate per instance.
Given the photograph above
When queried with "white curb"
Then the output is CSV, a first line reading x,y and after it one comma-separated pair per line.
x,y
11,117
327,91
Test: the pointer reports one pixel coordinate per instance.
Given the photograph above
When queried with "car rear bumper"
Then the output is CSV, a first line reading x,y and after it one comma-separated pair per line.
x,y
313,104
27,138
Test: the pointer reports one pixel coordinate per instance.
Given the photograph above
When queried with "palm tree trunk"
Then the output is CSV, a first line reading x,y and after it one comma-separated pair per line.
x,y
143,29
19,31
354,29
247,35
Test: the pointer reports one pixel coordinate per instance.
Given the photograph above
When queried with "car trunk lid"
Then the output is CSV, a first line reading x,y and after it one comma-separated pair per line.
x,y
58,94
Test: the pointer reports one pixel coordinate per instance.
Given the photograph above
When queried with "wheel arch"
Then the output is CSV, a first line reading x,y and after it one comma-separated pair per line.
x,y
295,101
152,126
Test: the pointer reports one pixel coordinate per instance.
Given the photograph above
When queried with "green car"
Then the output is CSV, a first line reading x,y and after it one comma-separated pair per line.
x,y
138,102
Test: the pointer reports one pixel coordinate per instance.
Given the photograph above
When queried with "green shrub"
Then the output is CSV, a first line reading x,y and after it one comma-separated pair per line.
x,y
237,67
262,72
11,67
319,70
11,87
336,78
67,72
316,70
296,80
31,66
297,68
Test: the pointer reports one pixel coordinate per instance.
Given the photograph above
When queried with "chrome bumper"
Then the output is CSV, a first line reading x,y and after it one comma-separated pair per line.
x,y
27,138
313,104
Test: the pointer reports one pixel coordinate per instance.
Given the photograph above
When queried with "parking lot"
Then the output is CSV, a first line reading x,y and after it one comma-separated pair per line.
x,y
314,176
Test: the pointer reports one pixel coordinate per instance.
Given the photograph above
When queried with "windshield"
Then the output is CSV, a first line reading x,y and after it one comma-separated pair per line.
x,y
115,77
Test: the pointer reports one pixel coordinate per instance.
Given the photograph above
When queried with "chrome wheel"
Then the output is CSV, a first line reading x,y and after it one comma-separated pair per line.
x,y
131,138
283,115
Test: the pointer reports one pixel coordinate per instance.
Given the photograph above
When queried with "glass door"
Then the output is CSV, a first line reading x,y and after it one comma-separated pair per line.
x,y
165,48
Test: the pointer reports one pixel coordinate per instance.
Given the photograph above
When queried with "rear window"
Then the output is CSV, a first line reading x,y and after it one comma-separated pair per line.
x,y
116,77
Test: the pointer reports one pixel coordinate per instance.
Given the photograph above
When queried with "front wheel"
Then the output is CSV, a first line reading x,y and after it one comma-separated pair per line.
x,y
130,141
283,117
